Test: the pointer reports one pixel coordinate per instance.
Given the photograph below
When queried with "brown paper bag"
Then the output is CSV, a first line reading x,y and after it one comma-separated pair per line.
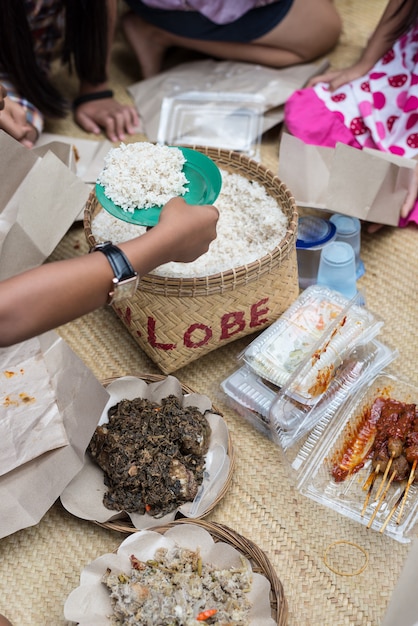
x,y
29,490
39,199
367,184
84,157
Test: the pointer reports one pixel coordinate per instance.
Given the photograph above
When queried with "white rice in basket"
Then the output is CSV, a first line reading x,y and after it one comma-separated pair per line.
x,y
251,224
143,175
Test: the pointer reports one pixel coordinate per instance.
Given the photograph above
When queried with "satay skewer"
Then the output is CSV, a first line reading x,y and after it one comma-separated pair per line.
x,y
385,475
408,484
382,497
392,511
371,478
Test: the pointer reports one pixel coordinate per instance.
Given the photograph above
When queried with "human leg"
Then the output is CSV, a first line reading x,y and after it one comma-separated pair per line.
x,y
308,29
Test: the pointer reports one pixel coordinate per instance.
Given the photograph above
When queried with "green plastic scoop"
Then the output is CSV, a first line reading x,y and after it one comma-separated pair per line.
x,y
205,183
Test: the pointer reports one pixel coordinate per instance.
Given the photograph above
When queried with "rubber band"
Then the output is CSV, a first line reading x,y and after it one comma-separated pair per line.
x,y
90,97
347,543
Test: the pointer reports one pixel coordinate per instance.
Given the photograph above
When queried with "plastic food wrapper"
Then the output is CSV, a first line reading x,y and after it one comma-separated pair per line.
x,y
368,184
314,436
208,76
318,329
89,604
30,198
324,447
221,120
74,398
276,414
83,497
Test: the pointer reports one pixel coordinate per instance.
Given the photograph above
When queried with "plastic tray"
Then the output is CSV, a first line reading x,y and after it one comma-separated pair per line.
x,y
315,458
285,420
305,348
232,121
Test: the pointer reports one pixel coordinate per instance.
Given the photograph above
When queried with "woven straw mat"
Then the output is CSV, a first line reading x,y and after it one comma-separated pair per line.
x,y
39,566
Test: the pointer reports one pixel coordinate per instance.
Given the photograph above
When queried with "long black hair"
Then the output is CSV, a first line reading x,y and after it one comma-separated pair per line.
x,y
85,49
410,18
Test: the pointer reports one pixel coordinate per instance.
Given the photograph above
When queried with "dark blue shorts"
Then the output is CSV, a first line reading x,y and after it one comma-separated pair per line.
x,y
250,26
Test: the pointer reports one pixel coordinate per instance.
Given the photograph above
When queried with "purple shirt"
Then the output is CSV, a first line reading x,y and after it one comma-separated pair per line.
x,y
218,11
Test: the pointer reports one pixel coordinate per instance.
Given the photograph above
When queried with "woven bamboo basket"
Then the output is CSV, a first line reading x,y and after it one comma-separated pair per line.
x,y
124,524
258,559
178,320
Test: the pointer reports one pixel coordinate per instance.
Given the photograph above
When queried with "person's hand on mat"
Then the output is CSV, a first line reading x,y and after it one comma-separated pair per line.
x,y
337,78
408,205
115,119
412,195
13,121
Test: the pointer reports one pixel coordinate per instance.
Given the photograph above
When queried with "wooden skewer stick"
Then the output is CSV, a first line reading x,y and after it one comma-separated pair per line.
x,y
382,497
385,475
408,484
369,492
371,478
392,511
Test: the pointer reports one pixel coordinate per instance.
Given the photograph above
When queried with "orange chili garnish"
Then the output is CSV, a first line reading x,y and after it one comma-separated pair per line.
x,y
204,615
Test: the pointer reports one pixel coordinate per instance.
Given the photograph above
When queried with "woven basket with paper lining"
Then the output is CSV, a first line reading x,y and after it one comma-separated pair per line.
x,y
260,563
177,320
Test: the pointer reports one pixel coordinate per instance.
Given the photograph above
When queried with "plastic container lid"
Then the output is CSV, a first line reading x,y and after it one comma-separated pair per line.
x,y
314,232
232,121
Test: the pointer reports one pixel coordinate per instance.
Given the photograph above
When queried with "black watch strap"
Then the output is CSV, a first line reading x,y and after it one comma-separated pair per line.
x,y
126,279
117,259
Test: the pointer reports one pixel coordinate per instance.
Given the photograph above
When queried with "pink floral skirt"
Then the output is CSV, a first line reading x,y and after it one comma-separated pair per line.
x,y
379,110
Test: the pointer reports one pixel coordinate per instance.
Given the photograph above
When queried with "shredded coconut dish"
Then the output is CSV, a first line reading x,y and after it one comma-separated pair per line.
x,y
176,588
251,224
143,175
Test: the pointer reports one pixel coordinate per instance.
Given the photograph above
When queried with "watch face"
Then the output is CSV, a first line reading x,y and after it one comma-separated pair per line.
x,y
124,289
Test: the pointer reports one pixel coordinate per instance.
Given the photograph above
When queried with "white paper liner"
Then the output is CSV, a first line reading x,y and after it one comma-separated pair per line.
x,y
83,497
31,422
89,604
28,491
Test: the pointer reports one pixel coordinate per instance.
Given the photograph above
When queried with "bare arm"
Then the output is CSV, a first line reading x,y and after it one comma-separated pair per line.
x,y
382,39
56,293
114,118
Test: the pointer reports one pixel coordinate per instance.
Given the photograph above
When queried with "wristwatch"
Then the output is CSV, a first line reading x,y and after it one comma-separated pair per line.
x,y
126,280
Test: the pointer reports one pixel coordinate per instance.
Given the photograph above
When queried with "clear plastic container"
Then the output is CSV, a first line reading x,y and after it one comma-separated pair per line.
x,y
290,420
277,415
232,121
323,448
315,333
249,396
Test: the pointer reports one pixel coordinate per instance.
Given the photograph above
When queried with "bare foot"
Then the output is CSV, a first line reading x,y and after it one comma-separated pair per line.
x,y
148,42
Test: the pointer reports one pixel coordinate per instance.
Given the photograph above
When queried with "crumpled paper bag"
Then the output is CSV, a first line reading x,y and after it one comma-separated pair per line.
x,y
30,489
30,421
85,157
39,199
275,85
367,184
